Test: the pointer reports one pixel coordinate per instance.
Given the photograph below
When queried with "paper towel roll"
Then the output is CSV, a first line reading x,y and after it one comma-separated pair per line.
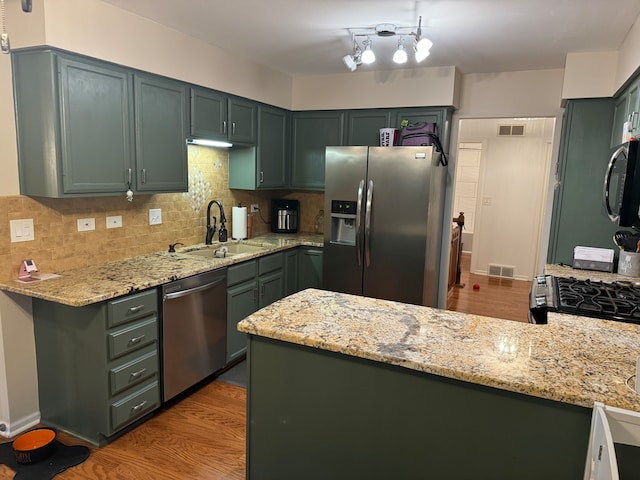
x,y
239,223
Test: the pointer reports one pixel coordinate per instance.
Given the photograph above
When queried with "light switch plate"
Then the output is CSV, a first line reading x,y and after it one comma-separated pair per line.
x,y
86,224
255,207
155,216
114,221
22,230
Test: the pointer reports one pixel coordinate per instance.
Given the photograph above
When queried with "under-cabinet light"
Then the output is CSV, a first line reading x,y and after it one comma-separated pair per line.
x,y
209,143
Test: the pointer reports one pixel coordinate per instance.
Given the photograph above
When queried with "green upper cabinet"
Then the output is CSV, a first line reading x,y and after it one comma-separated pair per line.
x,y
74,125
86,128
363,126
627,109
242,120
441,116
263,166
578,214
218,116
311,133
208,114
161,134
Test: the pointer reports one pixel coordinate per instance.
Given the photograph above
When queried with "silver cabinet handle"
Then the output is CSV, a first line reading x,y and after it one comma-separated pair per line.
x,y
358,223
130,176
134,340
224,127
634,120
233,128
138,407
367,225
138,374
144,175
261,177
135,309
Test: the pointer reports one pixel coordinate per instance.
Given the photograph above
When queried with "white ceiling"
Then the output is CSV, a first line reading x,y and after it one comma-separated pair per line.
x,y
310,37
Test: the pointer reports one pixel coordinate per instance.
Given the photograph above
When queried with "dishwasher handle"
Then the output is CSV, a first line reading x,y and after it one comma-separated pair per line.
x,y
189,291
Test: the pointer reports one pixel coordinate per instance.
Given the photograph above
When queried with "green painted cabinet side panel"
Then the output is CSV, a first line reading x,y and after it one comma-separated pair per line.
x,y
161,121
363,126
309,268
578,217
208,114
311,133
242,121
315,414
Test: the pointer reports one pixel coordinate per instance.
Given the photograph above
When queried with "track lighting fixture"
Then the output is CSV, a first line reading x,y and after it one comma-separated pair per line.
x,y
366,55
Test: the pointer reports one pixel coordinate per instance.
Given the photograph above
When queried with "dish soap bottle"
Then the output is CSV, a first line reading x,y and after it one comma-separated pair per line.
x,y
319,222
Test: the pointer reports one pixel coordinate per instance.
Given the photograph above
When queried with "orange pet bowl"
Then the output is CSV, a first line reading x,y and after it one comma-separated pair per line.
x,y
34,446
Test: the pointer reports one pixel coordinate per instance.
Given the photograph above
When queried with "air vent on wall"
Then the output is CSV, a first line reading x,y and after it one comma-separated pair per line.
x,y
511,130
503,271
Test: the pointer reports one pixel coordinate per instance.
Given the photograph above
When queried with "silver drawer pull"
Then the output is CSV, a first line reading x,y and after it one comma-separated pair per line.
x,y
138,374
135,309
134,340
138,407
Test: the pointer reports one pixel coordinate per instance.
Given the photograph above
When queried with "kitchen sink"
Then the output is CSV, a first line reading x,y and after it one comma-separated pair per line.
x,y
230,250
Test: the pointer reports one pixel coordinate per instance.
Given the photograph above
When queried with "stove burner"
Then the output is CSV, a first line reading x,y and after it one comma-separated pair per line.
x,y
612,301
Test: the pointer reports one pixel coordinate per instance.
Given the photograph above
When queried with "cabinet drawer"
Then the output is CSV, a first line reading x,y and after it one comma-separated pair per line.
x,y
132,307
241,272
135,405
133,372
270,263
132,337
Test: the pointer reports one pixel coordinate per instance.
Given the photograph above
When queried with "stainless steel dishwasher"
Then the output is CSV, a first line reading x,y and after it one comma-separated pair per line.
x,y
194,330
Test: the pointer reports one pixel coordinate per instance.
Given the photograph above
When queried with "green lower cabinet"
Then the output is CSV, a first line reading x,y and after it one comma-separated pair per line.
x,y
98,365
250,285
309,268
242,301
291,271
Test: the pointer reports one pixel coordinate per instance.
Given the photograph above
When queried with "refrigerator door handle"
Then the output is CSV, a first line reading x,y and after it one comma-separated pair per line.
x,y
358,223
367,225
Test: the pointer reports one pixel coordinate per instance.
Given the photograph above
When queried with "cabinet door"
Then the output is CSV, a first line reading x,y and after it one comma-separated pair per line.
x,y
242,121
271,287
208,114
242,301
272,147
312,132
291,271
161,134
309,268
620,116
96,127
440,115
363,126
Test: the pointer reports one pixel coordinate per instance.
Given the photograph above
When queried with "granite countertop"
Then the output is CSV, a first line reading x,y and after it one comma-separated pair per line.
x,y
572,359
569,271
84,286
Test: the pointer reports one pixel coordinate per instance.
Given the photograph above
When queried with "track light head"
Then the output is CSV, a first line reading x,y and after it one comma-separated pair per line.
x,y
368,56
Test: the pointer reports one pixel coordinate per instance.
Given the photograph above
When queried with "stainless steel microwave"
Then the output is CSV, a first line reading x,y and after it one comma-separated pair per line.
x,y
621,194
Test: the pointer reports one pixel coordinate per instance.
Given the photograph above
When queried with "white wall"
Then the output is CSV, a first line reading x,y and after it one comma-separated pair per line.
x,y
435,86
590,75
629,56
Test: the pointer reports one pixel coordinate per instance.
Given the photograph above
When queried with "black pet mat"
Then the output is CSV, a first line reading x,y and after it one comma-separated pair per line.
x,y
63,457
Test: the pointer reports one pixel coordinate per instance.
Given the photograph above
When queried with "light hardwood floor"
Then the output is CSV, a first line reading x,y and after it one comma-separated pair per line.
x,y
202,437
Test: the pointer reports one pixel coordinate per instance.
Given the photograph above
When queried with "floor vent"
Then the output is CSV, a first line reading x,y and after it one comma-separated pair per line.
x,y
503,271
511,130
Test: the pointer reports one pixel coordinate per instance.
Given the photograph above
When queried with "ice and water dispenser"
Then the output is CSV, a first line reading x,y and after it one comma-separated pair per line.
x,y
343,222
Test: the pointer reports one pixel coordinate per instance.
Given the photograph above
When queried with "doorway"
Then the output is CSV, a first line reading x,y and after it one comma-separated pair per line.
x,y
501,186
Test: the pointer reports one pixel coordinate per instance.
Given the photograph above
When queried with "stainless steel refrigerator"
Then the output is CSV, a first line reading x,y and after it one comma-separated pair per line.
x,y
383,222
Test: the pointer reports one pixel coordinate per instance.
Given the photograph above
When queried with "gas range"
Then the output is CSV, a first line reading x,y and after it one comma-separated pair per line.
x,y
619,301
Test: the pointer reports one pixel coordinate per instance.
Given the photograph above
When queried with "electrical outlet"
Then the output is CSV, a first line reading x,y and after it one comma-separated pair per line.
x,y
22,230
114,221
255,207
86,224
155,216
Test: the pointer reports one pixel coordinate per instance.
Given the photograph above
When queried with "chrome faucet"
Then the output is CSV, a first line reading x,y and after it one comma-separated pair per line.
x,y
211,230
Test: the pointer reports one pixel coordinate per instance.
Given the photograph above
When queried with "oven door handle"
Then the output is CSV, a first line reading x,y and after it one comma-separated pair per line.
x,y
607,185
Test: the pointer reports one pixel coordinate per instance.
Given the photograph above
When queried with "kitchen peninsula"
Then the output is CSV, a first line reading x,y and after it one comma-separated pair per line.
x,y
343,386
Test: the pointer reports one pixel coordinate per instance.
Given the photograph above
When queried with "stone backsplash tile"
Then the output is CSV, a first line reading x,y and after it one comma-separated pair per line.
x,y
58,245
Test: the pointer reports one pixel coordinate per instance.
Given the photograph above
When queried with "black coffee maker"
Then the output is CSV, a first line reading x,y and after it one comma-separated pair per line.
x,y
284,215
